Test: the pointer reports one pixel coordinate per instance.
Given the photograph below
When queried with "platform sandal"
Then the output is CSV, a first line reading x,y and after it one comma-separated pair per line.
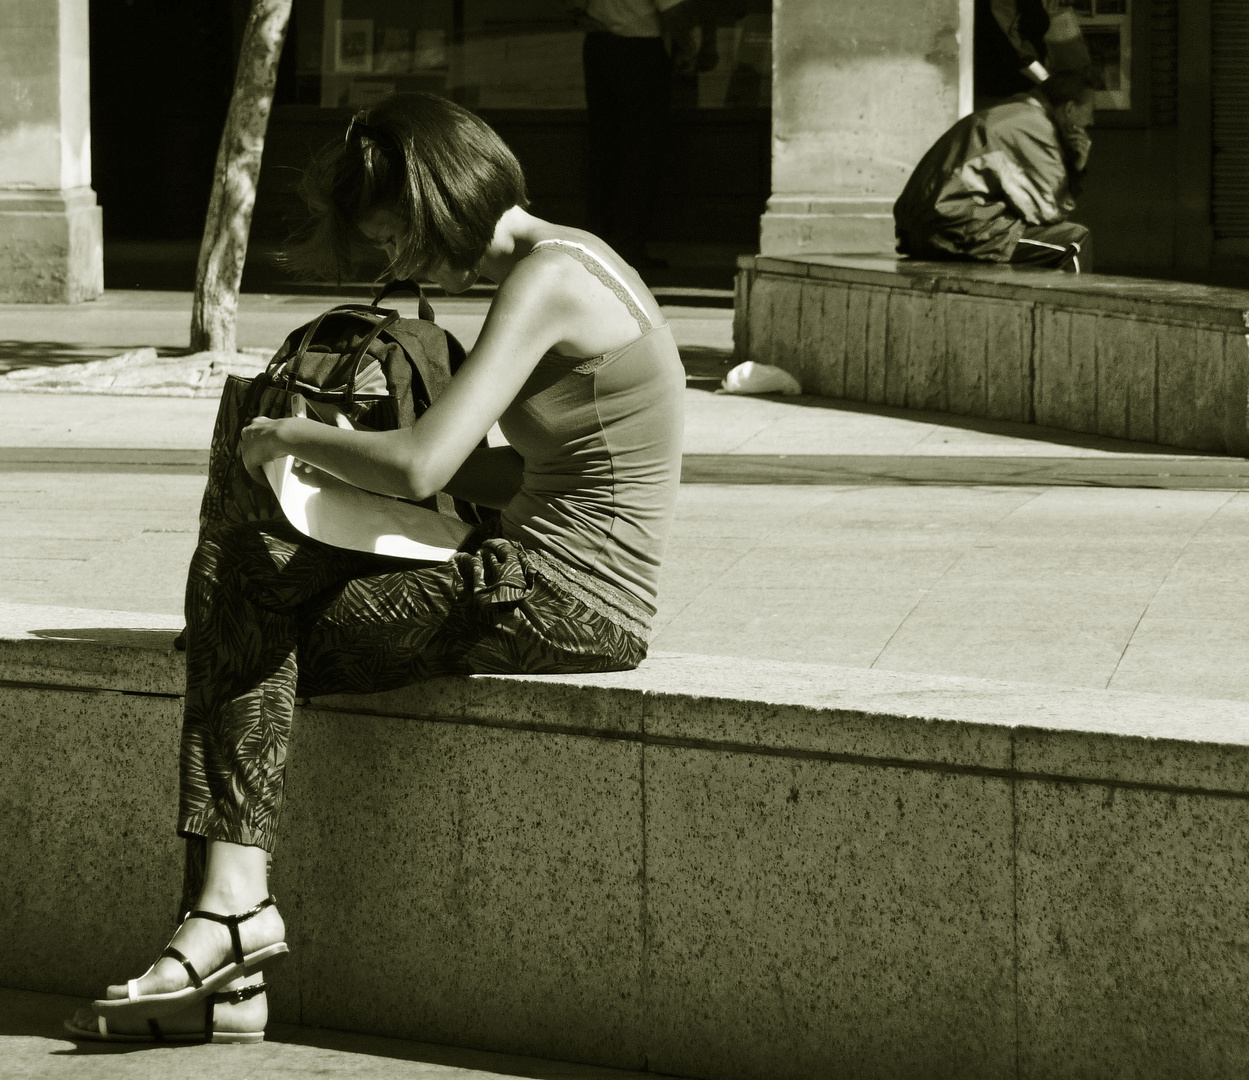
x,y
156,1032
155,1006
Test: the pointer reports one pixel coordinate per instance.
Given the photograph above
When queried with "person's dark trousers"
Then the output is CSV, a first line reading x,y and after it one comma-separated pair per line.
x,y
1062,246
628,88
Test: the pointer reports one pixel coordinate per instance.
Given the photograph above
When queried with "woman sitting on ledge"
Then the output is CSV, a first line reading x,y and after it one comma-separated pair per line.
x,y
579,368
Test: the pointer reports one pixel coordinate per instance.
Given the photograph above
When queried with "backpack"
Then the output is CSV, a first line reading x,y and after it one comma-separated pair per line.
x,y
380,369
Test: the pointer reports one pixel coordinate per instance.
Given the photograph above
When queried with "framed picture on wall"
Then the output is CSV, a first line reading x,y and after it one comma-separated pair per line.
x,y
353,46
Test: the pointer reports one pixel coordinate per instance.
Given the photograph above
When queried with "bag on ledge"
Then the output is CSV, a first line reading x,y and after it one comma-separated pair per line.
x,y
363,362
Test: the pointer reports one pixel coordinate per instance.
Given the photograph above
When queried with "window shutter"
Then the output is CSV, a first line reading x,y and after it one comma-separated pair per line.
x,y
1230,76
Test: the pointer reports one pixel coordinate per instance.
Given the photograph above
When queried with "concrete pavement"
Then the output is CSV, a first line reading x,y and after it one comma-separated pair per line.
x,y
34,1046
808,529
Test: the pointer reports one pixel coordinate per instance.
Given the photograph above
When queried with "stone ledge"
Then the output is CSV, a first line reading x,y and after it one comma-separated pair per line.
x,y
1175,302
701,867
1129,358
889,718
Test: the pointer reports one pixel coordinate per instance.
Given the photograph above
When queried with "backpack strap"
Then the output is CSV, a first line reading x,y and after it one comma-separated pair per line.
x,y
424,310
391,317
362,311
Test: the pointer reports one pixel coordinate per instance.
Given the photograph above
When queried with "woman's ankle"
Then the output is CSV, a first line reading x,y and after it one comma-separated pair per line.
x,y
235,878
231,900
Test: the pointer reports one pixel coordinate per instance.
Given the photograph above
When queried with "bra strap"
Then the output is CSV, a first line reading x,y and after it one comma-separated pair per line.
x,y
606,275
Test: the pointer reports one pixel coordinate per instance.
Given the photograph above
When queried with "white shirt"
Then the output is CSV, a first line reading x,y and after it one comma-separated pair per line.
x,y
630,18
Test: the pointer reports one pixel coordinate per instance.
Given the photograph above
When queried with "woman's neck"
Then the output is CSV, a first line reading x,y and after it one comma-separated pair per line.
x,y
517,232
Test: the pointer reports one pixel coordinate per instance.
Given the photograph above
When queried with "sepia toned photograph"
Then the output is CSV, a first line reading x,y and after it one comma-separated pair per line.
x,y
624,539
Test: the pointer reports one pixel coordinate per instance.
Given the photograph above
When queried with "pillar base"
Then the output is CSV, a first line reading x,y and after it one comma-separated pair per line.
x,y
816,225
51,246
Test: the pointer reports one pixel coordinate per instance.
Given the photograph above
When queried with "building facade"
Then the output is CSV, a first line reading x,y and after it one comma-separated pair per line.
x,y
797,136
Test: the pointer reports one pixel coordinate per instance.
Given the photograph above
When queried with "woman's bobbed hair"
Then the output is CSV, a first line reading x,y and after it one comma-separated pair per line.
x,y
441,169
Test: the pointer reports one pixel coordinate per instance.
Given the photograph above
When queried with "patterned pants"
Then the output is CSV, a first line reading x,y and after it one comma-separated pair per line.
x,y
272,615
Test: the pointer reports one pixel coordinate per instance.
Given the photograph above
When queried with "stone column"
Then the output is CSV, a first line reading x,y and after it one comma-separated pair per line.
x,y
860,89
51,244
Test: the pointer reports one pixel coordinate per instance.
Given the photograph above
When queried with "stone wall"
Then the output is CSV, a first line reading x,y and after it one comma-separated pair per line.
x,y
1159,362
782,871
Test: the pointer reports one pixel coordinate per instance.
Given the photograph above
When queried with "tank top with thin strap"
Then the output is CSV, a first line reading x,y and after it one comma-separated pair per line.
x,y
601,441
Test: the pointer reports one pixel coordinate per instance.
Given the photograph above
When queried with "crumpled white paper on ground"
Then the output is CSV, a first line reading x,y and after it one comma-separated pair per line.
x,y
753,378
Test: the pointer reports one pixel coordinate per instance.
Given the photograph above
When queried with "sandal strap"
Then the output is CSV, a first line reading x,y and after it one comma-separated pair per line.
x,y
237,997
231,922
196,981
227,997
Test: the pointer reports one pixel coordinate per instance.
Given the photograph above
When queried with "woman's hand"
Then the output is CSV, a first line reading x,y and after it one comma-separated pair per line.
x,y
260,442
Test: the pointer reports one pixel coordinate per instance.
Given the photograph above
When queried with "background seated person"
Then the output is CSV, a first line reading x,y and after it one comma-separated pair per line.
x,y
1001,183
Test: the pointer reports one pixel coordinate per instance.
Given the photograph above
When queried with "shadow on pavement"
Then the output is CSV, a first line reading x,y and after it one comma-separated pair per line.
x,y
27,1014
117,637
24,354
705,367
20,354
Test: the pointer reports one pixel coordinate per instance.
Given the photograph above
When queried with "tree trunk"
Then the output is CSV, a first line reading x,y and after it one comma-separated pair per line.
x,y
224,246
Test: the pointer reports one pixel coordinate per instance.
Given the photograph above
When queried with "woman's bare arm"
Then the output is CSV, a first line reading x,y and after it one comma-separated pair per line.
x,y
532,311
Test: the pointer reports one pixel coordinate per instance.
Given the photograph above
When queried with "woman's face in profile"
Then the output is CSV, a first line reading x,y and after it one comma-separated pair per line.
x,y
385,228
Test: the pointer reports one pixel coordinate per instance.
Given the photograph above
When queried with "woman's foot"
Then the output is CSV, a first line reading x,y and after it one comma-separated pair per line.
x,y
231,1018
207,945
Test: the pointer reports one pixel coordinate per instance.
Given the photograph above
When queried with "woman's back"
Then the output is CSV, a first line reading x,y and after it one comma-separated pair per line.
x,y
601,441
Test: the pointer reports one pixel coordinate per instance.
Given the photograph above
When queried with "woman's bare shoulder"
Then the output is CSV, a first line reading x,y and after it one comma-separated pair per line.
x,y
600,259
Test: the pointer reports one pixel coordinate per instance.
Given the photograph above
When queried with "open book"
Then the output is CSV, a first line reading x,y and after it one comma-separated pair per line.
x,y
342,515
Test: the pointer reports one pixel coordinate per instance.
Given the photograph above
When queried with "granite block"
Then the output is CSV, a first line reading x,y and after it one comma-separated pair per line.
x,y
903,333
518,701
966,351
1009,351
1177,390
763,290
1133,933
1211,408
858,302
926,361
1219,391
1052,387
1152,361
1235,393
879,357
1082,396
466,885
817,919
1213,756
1176,302
822,346
742,283
91,867
850,729
1125,375
785,328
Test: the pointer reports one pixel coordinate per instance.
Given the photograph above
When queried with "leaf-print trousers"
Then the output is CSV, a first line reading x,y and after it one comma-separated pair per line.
x,y
272,615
